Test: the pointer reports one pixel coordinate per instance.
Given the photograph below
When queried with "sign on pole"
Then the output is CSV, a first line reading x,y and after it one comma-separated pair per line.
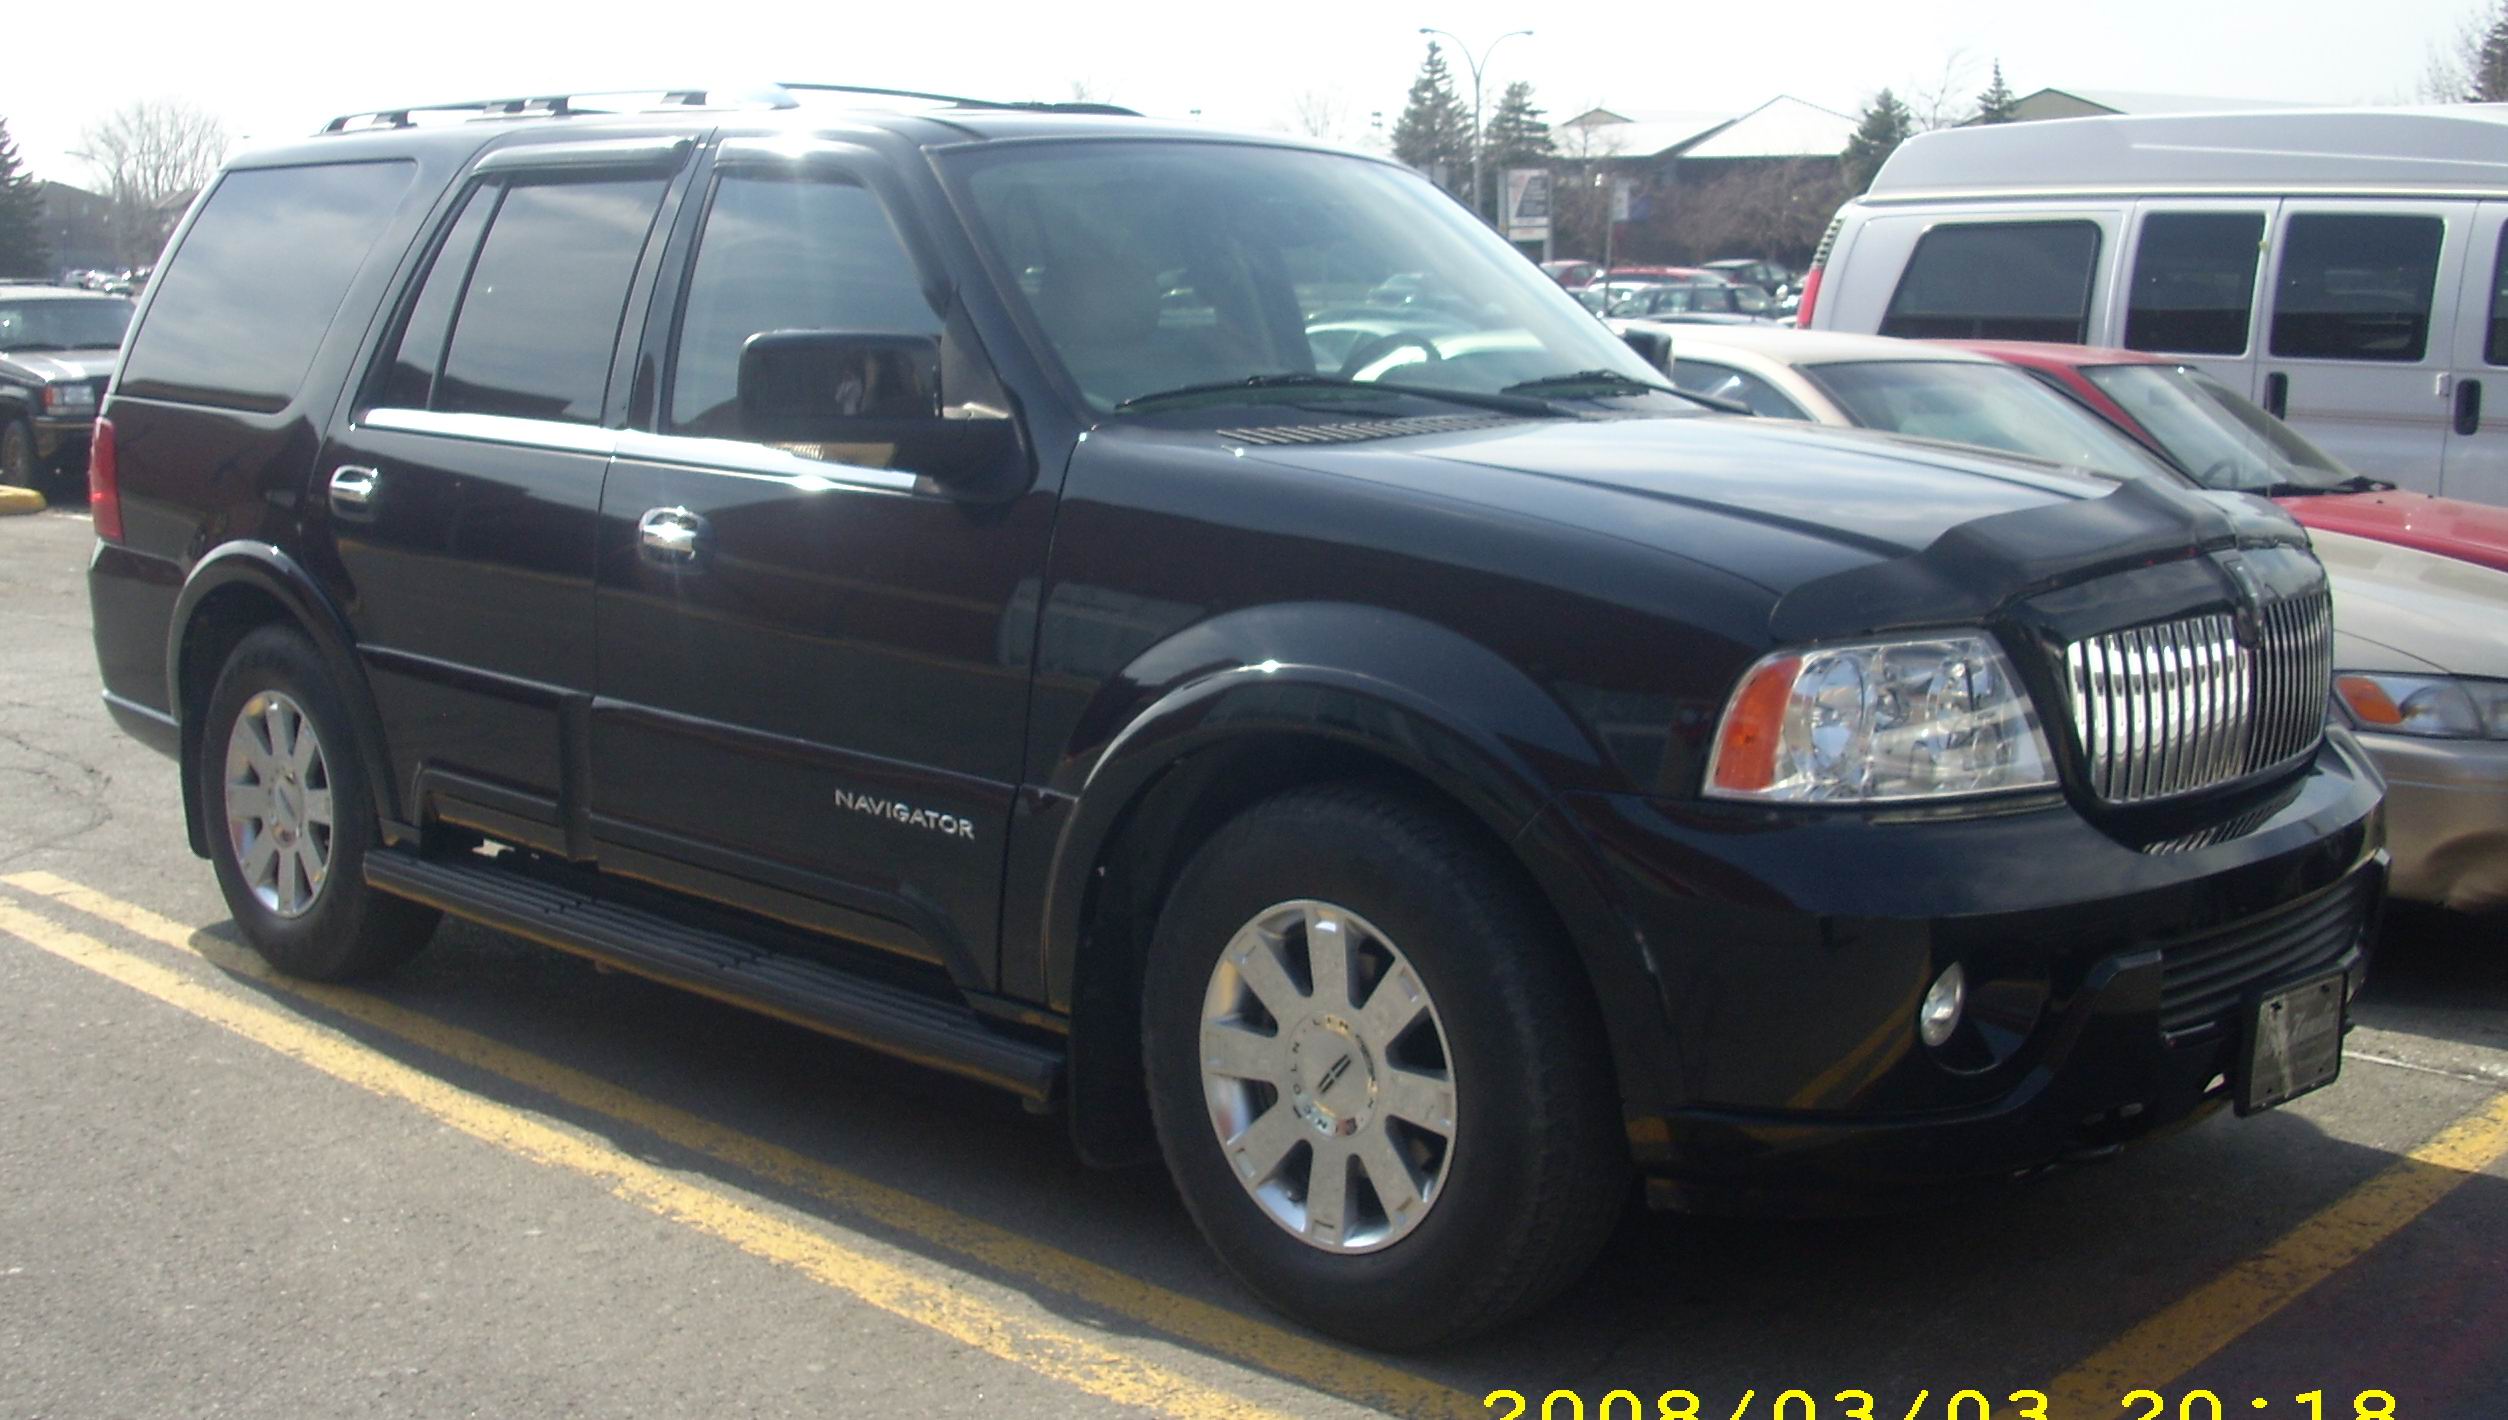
x,y
1619,199
1528,205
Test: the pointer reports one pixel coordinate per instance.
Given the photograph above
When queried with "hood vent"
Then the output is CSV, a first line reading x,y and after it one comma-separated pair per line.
x,y
1359,431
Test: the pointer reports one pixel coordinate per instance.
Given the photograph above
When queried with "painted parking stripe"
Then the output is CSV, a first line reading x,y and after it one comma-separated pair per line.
x,y
2196,1327
1212,1328
1030,1341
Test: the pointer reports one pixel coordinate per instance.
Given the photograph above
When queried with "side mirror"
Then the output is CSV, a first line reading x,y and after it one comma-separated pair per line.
x,y
873,399
1653,344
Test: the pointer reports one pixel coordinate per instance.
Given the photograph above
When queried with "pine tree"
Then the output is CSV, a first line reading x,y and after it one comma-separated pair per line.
x,y
1515,137
1884,124
2488,73
1995,104
23,250
1435,128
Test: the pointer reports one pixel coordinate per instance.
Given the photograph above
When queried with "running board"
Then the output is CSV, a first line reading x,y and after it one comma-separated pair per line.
x,y
942,1034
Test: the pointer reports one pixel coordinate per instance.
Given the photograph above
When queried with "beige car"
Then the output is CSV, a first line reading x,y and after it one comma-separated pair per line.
x,y
2420,640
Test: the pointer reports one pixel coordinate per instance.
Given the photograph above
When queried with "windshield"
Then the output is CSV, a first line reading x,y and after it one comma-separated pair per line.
x,y
63,325
1163,266
1993,406
2217,434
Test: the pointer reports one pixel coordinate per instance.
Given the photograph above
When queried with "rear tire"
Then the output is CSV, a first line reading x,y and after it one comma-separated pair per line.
x,y
18,465
290,819
1484,1080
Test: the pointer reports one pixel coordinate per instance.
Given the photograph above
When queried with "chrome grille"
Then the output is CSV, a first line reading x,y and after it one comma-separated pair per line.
x,y
2182,705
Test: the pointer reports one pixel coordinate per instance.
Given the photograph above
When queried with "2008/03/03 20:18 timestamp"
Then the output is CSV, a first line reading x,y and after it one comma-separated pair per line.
x,y
1956,1405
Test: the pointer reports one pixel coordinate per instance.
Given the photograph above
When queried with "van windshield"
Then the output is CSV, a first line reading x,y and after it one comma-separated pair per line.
x,y
2215,433
1162,269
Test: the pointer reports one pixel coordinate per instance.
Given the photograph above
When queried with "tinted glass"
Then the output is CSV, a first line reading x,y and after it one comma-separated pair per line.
x,y
244,304
1997,281
2495,344
1991,406
2220,437
63,325
2194,282
409,380
2356,287
1152,266
1740,386
784,253
539,318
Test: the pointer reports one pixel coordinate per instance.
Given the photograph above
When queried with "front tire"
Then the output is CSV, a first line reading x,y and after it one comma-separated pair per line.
x,y
18,465
1376,1071
290,818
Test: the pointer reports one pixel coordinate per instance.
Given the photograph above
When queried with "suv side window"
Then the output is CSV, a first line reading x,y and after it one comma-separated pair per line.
x,y
537,323
2356,286
2194,282
783,250
1997,281
409,378
245,301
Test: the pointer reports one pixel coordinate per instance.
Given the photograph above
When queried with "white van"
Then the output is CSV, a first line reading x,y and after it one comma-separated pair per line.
x,y
2344,267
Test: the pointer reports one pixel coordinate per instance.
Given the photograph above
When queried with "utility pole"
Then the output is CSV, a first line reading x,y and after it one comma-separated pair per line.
x,y
1475,65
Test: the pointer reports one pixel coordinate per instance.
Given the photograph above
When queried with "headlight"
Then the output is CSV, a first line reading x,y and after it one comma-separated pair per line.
x,y
2434,706
69,397
1889,720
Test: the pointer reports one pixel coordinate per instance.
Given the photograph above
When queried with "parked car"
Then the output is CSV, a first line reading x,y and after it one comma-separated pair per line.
x,y
1699,302
2407,623
2346,269
57,347
834,569
1768,276
1572,274
2224,440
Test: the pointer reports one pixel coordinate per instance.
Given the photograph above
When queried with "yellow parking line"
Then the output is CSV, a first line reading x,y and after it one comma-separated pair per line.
x,y
1036,1343
1213,1328
2190,1331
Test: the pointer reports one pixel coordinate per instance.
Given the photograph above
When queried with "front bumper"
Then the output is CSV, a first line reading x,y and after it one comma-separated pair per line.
x,y
2446,819
60,439
1791,951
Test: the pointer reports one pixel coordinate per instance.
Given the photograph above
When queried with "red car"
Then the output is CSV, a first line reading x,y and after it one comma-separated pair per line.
x,y
1572,274
2224,440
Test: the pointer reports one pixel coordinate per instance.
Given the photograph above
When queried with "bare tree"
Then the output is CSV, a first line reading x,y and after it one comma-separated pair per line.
x,y
149,157
2471,64
1321,114
1945,101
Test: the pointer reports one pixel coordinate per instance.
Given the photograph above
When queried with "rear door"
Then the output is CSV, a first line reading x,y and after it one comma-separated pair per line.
x,y
2477,436
463,486
2357,350
813,667
2193,271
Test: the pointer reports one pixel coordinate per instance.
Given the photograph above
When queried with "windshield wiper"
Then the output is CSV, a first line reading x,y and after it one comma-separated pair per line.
x,y
1618,383
1293,380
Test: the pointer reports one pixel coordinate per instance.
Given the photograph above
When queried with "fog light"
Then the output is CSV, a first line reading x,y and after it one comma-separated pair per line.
x,y
1943,1004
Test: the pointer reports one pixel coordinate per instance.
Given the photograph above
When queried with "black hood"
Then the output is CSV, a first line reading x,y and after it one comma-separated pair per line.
x,y
1853,531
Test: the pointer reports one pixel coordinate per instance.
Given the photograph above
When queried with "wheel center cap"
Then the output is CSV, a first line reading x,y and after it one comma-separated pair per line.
x,y
1332,1076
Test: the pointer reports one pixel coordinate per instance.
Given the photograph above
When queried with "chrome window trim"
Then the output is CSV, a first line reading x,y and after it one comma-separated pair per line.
x,y
739,457
554,435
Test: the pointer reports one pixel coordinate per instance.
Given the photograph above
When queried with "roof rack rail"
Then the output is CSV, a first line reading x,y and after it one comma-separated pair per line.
x,y
754,96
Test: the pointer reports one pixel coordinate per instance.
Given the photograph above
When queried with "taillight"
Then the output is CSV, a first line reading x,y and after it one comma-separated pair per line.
x,y
104,483
1811,297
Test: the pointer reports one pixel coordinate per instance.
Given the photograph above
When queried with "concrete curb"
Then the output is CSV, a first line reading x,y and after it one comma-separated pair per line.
x,y
20,500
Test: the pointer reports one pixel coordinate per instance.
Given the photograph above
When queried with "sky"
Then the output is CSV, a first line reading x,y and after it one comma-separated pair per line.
x,y
275,70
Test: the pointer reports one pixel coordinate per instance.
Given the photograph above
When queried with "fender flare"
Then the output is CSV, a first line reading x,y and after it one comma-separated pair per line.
x,y
1447,710
269,570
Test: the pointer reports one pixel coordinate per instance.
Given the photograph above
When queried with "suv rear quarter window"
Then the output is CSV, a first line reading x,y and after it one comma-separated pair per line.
x,y
245,301
1997,281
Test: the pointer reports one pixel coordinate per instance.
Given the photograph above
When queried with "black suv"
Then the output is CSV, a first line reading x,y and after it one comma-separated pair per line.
x,y
987,582
57,348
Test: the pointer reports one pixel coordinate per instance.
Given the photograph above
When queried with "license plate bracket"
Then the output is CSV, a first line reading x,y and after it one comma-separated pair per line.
x,y
2293,1041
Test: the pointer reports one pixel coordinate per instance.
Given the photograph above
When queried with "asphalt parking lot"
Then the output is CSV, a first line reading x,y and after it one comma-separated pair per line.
x,y
506,1183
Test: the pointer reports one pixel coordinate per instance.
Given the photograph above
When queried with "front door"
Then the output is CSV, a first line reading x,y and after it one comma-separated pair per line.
x,y
2357,346
464,487
813,668
2477,435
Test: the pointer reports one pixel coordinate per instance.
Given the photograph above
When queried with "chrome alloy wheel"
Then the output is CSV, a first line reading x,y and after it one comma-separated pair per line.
x,y
1325,1068
278,803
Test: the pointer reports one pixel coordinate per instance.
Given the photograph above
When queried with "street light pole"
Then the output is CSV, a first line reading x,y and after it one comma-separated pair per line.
x,y
1475,64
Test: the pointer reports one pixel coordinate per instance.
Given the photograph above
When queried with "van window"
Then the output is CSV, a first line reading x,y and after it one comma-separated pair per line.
x,y
783,252
539,318
1997,281
245,301
2194,282
2356,286
2495,344
409,379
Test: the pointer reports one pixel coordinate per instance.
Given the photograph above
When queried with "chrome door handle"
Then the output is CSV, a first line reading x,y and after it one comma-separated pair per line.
x,y
353,490
670,537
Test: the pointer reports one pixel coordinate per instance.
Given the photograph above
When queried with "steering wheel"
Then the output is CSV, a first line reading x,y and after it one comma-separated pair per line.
x,y
1376,348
